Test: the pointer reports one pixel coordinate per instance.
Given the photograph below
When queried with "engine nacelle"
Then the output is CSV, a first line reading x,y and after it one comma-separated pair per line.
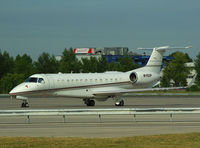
x,y
143,77
133,77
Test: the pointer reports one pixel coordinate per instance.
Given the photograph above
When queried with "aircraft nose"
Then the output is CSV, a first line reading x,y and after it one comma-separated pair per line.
x,y
16,90
12,92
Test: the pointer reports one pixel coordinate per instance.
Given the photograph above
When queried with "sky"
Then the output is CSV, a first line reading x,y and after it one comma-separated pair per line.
x,y
36,26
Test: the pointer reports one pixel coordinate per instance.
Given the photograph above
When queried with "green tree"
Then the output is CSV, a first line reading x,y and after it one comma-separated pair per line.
x,y
123,64
102,64
176,71
187,57
69,63
94,64
24,65
9,81
89,65
127,63
197,68
6,63
46,64
114,66
166,78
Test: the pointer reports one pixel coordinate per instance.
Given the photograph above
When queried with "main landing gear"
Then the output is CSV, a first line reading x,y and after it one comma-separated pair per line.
x,y
25,104
89,102
119,103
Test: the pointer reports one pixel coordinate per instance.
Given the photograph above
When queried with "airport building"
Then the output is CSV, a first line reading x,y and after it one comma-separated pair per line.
x,y
101,51
113,54
192,72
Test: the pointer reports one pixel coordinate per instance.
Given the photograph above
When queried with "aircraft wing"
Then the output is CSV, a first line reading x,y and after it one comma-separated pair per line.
x,y
123,91
117,91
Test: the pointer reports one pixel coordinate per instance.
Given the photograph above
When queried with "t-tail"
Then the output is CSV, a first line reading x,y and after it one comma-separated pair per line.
x,y
155,60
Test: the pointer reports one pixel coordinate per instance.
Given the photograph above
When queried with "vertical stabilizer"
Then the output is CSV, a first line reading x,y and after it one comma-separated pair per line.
x,y
155,60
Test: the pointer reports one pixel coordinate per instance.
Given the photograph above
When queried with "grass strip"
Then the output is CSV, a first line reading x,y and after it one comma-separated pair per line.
x,y
170,140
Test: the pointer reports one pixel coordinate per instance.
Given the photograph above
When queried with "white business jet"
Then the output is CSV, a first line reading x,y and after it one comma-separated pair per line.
x,y
94,86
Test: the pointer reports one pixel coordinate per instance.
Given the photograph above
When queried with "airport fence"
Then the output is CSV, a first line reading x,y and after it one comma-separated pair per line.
x,y
99,112
139,94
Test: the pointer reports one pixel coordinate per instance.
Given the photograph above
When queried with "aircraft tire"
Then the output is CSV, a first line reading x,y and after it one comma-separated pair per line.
x,y
121,103
25,104
91,103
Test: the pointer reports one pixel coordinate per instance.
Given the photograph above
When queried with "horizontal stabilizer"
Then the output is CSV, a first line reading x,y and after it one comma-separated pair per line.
x,y
165,48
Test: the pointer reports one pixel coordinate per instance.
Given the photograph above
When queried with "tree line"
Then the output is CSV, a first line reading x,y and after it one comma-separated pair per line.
x,y
15,70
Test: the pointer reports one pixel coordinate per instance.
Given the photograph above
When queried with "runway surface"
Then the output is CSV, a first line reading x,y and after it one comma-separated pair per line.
x,y
108,126
130,101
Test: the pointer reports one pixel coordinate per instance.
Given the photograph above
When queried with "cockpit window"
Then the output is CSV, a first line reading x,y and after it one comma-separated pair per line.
x,y
32,79
40,80
35,80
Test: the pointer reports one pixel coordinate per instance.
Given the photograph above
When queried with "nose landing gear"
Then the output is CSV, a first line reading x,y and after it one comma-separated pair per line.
x,y
24,101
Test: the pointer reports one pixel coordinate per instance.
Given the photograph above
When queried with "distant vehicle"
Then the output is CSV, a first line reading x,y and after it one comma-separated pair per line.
x,y
94,86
